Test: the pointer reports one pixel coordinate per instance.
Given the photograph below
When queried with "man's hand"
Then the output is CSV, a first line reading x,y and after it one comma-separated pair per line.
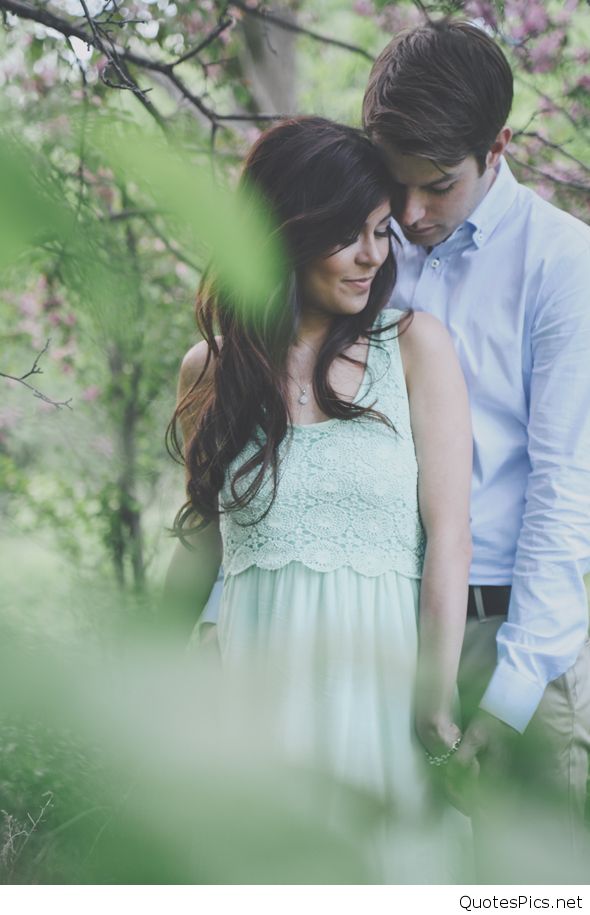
x,y
208,641
486,742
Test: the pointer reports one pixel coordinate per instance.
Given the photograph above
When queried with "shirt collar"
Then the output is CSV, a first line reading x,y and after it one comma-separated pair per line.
x,y
494,205
479,226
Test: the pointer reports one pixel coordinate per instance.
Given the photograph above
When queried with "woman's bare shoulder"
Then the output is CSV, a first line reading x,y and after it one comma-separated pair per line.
x,y
195,362
423,334
426,348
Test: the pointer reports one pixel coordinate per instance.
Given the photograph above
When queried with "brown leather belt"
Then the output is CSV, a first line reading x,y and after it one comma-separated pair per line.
x,y
488,600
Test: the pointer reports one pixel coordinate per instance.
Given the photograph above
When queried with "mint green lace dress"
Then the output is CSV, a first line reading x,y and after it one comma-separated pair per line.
x,y
324,591
326,588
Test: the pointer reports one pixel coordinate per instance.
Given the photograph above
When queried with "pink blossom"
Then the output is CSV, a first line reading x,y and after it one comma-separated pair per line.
x,y
91,393
10,416
583,82
214,71
364,8
70,319
582,56
33,329
193,24
67,351
518,32
252,134
545,189
394,18
47,74
181,270
482,9
535,19
29,304
542,55
562,17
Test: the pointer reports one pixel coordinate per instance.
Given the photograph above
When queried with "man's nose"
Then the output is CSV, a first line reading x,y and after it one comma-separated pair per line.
x,y
413,208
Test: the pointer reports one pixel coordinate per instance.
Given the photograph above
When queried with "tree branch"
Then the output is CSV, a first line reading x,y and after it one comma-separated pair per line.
x,y
119,55
549,101
557,146
113,56
563,182
35,370
222,25
260,13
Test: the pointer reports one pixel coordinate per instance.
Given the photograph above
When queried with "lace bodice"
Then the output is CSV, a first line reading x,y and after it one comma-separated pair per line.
x,y
347,489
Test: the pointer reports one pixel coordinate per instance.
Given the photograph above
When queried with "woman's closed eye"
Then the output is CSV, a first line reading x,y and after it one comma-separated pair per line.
x,y
384,232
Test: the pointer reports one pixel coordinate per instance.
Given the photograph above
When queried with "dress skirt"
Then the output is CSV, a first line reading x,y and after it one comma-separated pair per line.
x,y
340,650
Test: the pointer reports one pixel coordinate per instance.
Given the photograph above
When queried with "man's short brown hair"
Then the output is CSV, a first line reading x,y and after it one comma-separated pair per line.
x,y
441,91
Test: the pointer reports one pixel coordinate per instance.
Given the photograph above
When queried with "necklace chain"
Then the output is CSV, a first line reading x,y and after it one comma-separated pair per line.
x,y
303,396
304,390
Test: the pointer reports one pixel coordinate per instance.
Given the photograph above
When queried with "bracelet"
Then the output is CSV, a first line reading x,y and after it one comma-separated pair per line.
x,y
443,759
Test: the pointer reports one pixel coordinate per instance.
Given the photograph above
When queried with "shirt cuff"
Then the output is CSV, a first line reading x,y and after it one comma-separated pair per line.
x,y
511,697
210,614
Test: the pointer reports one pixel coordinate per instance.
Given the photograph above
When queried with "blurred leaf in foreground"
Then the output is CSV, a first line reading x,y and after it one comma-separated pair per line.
x,y
31,211
231,228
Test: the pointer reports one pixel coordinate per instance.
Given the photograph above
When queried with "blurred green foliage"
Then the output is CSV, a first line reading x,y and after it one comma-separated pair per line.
x,y
125,760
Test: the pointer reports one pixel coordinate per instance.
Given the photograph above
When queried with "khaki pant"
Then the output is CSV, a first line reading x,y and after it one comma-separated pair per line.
x,y
546,768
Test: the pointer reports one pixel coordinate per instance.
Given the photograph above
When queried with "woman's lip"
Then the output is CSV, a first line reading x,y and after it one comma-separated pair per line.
x,y
362,282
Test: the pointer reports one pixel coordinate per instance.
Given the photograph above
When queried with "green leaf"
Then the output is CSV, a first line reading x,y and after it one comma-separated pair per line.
x,y
231,229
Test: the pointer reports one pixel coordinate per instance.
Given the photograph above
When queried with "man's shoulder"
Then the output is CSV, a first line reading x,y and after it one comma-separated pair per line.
x,y
553,230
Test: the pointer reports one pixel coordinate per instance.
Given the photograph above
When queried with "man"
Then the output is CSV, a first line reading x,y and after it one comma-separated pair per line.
x,y
509,275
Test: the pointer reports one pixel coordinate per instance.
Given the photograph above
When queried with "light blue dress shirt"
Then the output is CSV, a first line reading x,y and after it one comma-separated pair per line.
x,y
512,284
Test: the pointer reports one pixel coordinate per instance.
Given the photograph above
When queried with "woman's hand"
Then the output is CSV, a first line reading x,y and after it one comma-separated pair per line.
x,y
437,733
438,736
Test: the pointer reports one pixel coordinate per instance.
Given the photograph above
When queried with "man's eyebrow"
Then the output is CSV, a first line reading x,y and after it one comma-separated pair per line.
x,y
447,176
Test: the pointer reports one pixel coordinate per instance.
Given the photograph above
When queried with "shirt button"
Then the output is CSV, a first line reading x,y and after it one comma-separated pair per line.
x,y
434,263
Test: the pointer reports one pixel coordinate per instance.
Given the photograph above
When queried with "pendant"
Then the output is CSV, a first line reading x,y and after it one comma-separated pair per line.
x,y
303,398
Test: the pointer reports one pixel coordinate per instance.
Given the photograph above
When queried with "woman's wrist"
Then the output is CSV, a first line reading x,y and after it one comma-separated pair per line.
x,y
437,732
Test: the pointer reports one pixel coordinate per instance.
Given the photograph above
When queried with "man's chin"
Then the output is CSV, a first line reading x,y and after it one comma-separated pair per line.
x,y
427,238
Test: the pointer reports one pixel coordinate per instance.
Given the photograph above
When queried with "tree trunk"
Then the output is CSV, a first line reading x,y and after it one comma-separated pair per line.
x,y
267,60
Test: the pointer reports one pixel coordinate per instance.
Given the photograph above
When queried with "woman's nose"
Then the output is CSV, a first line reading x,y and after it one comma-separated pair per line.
x,y
370,252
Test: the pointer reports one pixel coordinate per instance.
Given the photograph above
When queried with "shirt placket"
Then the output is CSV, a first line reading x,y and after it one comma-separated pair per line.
x,y
427,293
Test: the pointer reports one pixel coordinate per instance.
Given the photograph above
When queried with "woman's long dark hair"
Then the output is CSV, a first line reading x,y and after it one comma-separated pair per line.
x,y
321,181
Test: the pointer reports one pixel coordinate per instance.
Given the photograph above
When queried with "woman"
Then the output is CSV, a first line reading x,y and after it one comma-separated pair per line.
x,y
328,456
